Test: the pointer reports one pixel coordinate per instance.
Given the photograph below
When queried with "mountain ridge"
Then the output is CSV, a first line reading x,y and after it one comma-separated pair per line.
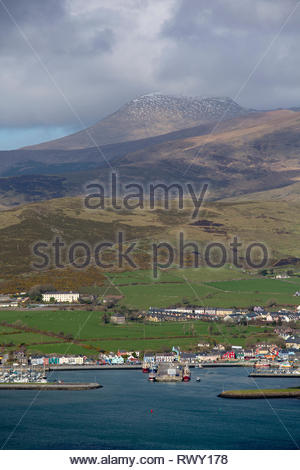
x,y
257,152
148,116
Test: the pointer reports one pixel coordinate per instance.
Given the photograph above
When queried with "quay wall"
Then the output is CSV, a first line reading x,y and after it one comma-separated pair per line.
x,y
251,394
275,376
94,367
49,386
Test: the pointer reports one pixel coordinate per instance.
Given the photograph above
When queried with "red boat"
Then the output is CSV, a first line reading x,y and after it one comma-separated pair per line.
x,y
186,374
145,367
152,377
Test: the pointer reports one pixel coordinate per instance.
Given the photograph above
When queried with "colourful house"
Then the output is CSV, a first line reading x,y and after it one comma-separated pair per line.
x,y
228,355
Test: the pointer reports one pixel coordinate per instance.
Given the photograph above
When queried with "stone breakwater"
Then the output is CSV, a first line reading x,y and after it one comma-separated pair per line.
x,y
246,394
66,367
49,386
275,376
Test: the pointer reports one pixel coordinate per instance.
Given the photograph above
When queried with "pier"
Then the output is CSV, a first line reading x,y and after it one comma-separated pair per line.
x,y
276,375
270,393
49,386
172,373
226,364
95,367
169,373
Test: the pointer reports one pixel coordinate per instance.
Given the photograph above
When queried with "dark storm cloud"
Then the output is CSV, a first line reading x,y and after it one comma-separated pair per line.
x,y
101,53
69,45
215,46
50,27
31,11
29,14
193,17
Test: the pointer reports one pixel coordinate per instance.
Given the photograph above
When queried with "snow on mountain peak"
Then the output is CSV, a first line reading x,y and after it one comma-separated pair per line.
x,y
154,105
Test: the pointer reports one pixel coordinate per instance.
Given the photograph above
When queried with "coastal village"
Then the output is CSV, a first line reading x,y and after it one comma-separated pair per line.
x,y
280,359
263,355
149,234
266,360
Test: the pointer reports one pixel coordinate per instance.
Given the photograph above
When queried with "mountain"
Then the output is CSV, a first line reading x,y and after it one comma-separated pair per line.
x,y
253,153
250,161
245,155
28,161
147,116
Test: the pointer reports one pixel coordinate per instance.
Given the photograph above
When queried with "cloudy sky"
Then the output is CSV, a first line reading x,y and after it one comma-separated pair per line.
x,y
65,64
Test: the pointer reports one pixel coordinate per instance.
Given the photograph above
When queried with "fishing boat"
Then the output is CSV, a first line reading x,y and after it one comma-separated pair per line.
x,y
152,377
198,379
145,367
186,374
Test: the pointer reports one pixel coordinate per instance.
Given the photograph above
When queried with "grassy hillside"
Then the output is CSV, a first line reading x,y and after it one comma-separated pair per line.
x,y
140,290
276,224
289,193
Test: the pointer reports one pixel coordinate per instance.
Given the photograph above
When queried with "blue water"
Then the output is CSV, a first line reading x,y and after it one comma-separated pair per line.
x,y
118,416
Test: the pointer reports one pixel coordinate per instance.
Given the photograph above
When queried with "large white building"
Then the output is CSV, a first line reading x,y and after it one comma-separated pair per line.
x,y
60,297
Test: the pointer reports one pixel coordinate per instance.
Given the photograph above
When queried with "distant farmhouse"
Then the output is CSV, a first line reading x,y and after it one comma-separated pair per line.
x,y
61,297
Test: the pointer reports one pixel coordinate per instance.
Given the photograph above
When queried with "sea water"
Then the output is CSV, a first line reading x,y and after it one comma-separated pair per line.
x,y
130,412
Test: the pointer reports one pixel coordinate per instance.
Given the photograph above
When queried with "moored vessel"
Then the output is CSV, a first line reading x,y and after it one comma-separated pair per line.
x,y
145,367
152,377
186,374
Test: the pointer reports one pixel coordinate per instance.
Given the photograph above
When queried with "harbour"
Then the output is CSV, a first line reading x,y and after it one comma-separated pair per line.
x,y
118,416
22,378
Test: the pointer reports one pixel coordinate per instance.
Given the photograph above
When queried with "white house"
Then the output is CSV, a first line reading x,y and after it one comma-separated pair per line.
x,y
164,357
71,360
61,297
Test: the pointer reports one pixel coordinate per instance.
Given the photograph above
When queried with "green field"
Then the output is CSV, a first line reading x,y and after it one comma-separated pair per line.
x,y
25,338
274,286
225,287
88,329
